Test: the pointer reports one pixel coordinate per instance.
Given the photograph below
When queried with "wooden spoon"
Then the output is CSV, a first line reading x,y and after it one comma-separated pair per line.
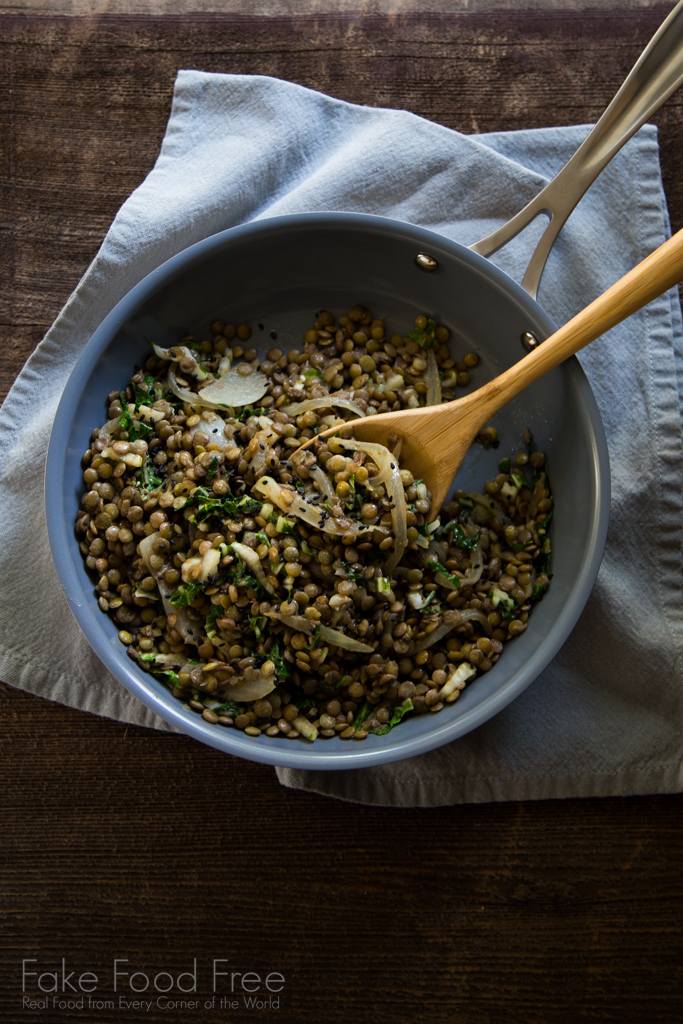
x,y
435,439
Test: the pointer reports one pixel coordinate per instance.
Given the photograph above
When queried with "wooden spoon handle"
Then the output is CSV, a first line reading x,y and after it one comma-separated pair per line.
x,y
655,275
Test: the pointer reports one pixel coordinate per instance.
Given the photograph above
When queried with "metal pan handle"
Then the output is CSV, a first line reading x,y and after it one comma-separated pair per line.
x,y
657,74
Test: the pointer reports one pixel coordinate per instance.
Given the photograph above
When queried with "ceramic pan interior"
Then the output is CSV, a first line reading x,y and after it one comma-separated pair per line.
x,y
276,275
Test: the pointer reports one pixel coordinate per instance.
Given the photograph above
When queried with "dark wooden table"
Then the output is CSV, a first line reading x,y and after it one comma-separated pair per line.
x,y
120,843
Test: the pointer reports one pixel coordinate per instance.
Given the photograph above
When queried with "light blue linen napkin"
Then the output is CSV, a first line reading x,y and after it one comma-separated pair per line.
x,y
606,717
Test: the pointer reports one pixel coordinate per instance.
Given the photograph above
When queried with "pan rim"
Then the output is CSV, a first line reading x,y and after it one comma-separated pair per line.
x,y
163,704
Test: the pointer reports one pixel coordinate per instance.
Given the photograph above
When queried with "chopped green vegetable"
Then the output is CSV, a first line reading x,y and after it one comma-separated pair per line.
x,y
213,466
425,337
215,612
229,707
437,567
172,400
134,432
396,717
460,538
239,577
145,393
353,573
185,594
539,590
350,499
149,479
210,505
304,703
361,715
258,624
245,413
281,524
315,639
166,675
508,603
543,524
282,669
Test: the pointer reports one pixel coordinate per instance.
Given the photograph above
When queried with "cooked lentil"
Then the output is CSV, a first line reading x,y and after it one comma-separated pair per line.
x,y
270,589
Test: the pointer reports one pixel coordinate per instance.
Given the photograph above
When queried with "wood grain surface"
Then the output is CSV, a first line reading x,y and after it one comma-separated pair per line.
x,y
122,843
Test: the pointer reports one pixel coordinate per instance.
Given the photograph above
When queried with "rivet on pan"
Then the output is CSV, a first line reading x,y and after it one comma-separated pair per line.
x,y
529,341
425,262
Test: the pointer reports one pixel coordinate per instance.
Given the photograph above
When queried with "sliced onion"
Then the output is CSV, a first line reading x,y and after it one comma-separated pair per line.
x,y
190,397
444,582
380,455
240,688
437,551
331,636
434,396
451,621
178,352
182,619
210,562
297,622
249,556
212,425
442,630
251,686
328,402
399,512
389,475
456,680
225,363
110,426
292,504
234,388
179,662
145,548
146,414
322,480
305,728
316,473
484,500
168,660
473,574
392,382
